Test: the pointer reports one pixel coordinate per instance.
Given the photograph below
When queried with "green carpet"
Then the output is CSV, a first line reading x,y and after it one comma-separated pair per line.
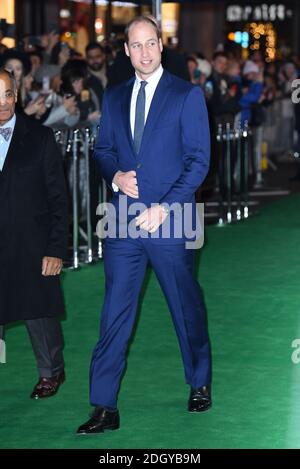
x,y
250,273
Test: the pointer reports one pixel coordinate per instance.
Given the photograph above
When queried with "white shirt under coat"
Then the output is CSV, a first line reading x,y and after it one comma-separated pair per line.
x,y
4,144
150,88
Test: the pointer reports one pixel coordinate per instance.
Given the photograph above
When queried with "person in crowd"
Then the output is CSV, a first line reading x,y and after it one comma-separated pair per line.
x,y
96,60
63,111
203,65
97,69
74,83
196,76
270,91
48,107
222,100
271,71
153,147
47,42
36,59
223,106
258,58
234,80
34,235
253,112
252,91
233,73
19,63
61,53
287,74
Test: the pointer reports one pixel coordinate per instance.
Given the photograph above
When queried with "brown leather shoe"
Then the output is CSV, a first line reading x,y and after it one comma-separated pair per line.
x,y
47,387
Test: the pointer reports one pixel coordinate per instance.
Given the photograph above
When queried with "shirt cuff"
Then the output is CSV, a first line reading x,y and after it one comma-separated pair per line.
x,y
115,187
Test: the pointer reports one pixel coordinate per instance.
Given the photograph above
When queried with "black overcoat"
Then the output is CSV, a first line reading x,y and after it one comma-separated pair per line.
x,y
33,223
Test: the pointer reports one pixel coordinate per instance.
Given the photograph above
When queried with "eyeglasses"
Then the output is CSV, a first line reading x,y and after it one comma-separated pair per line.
x,y
7,96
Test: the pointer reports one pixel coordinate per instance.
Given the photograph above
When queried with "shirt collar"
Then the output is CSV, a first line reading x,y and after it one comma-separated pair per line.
x,y
153,79
11,123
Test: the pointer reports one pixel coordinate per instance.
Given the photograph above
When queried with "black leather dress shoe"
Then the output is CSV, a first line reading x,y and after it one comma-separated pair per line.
x,y
100,421
47,387
200,399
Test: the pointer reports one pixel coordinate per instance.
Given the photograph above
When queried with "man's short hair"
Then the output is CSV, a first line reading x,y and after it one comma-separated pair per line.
x,y
11,76
94,45
220,54
142,19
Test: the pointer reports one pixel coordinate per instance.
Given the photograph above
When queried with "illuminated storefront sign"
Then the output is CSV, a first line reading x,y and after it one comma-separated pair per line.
x,y
262,12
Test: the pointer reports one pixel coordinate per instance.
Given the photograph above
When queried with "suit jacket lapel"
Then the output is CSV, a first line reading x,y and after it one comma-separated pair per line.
x,y
126,110
160,96
16,143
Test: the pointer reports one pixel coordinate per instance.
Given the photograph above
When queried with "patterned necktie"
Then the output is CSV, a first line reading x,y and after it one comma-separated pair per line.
x,y
6,132
139,117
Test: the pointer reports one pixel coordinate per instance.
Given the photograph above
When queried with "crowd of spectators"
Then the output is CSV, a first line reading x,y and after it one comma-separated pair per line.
x,y
62,88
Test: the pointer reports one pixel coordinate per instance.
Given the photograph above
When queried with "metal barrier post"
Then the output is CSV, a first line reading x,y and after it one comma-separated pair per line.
x,y
257,140
75,198
102,199
101,194
88,196
238,134
246,171
228,173
219,155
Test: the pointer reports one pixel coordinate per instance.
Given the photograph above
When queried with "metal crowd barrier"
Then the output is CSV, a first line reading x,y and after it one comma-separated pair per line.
x,y
77,147
278,128
235,168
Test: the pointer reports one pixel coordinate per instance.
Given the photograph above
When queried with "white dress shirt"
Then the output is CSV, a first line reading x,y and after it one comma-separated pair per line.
x,y
4,144
150,88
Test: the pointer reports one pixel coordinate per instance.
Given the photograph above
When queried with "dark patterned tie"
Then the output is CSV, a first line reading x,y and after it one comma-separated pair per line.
x,y
139,117
6,133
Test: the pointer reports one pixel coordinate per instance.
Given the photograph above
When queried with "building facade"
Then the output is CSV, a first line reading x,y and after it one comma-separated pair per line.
x,y
271,27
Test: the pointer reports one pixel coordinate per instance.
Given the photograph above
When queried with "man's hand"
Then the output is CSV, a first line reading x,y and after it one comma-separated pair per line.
x,y
51,266
94,116
36,107
49,41
63,56
127,183
151,219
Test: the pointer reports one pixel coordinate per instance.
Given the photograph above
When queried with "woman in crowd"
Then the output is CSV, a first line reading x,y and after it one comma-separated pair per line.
x,y
74,83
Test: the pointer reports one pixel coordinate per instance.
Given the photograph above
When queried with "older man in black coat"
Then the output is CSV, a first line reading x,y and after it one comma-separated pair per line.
x,y
33,240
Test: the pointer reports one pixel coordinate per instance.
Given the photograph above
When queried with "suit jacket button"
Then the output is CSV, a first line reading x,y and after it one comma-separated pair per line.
x,y
138,165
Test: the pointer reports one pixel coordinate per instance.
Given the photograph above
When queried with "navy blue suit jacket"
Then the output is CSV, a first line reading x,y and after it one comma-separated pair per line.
x,y
174,155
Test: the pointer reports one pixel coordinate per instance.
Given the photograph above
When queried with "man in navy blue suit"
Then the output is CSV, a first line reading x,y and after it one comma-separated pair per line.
x,y
153,150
